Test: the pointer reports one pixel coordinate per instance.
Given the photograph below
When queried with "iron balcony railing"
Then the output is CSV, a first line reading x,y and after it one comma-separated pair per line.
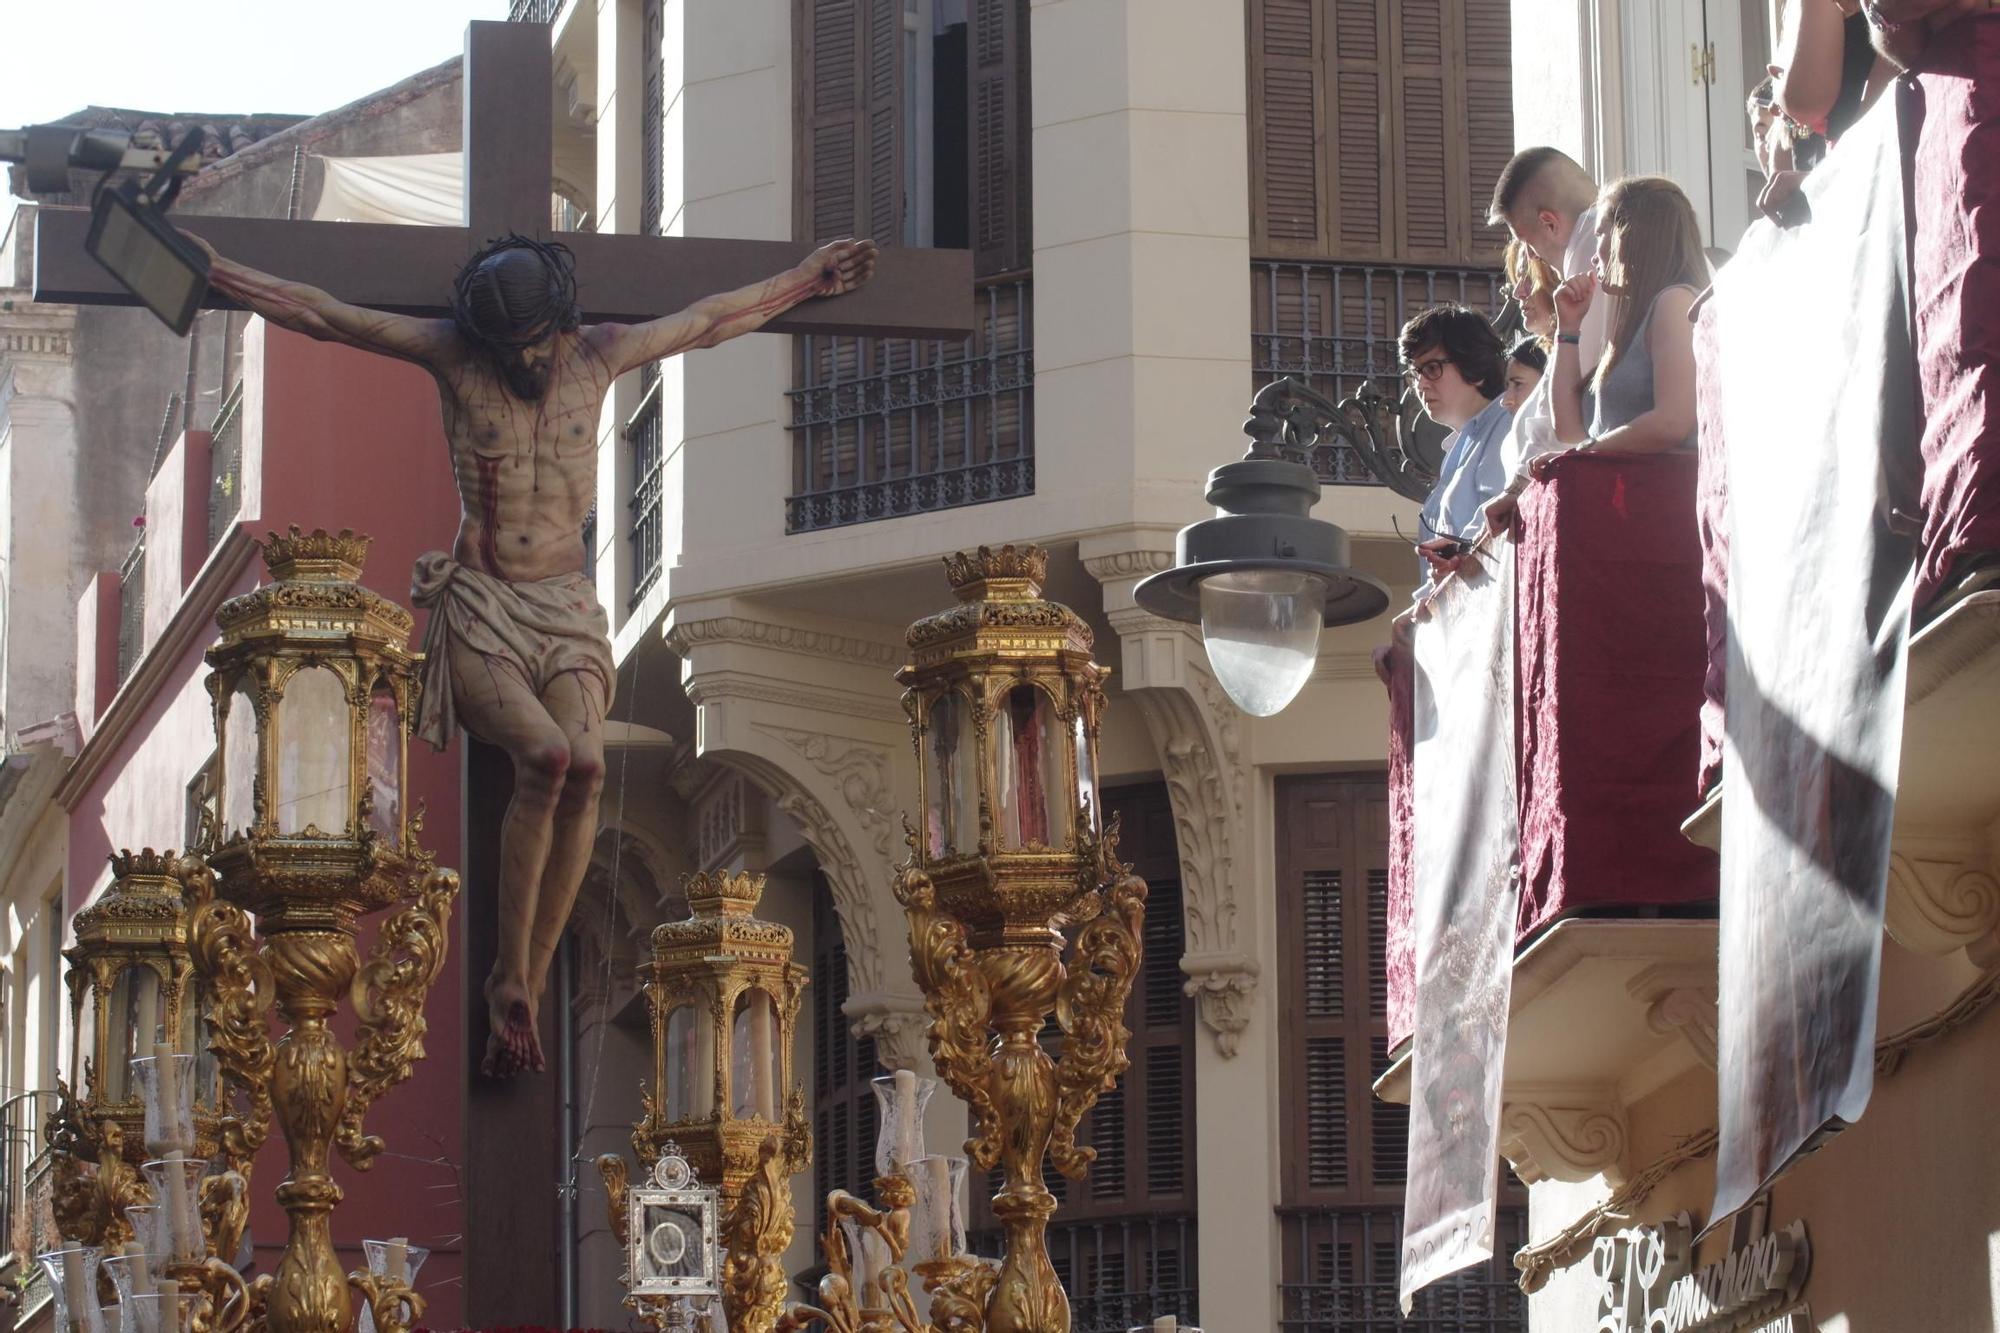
x,y
1340,1275
644,431
883,427
1335,325
27,1216
132,607
534,11
1120,1273
225,456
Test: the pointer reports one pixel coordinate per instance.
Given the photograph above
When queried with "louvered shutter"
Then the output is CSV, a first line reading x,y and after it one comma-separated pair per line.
x,y
851,95
1425,139
1489,115
1362,180
997,91
1287,141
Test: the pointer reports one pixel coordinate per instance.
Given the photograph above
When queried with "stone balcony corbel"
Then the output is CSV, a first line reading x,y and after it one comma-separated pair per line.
x,y
1943,896
1564,1133
1198,734
1681,998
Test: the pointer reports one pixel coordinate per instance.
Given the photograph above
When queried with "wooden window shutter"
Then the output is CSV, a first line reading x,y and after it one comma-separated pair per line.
x,y
997,91
1489,115
1287,134
1425,142
851,173
1362,178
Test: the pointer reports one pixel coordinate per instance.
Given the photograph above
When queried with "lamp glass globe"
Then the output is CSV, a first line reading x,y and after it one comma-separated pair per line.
x,y
1262,630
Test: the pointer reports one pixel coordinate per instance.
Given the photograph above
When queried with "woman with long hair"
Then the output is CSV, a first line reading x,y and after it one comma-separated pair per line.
x,y
1639,398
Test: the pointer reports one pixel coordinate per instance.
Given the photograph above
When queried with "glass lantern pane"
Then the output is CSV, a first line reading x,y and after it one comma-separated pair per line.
x,y
239,763
753,1049
951,790
1034,808
314,729
385,763
136,1011
690,1065
194,1038
1086,775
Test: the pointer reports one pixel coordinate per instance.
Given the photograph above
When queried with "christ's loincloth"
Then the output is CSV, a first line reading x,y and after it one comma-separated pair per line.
x,y
535,630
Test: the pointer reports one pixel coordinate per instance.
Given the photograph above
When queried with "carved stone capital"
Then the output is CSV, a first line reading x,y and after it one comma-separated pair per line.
x,y
1222,986
1680,998
1568,1134
1943,896
897,1023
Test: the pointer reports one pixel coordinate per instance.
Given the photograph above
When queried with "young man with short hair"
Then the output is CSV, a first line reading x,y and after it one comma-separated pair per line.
x,y
1458,367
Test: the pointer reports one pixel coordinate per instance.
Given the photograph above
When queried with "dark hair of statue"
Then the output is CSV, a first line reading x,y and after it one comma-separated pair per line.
x,y
1465,336
513,294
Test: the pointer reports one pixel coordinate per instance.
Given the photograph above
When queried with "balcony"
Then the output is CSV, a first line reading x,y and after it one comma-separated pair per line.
x,y
644,432
1340,1276
27,1181
1123,1272
534,11
132,607
1334,326
885,427
225,490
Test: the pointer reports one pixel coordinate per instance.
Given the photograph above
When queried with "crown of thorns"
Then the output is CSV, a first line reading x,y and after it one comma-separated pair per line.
x,y
556,310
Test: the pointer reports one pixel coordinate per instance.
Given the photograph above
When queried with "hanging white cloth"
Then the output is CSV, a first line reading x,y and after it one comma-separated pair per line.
x,y
415,189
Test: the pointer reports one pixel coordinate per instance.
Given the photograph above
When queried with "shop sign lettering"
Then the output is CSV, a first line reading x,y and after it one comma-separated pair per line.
x,y
1646,1282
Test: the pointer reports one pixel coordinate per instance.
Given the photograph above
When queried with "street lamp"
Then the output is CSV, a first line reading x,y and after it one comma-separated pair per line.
x,y
1264,576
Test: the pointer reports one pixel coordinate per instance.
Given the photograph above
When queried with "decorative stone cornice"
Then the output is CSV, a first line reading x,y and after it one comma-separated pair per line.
x,y
1571,1134
1222,985
1943,896
1680,999
685,636
1128,565
715,685
897,1023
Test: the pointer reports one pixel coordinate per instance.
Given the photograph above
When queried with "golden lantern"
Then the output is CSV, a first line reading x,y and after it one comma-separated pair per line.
x,y
723,994
132,993
313,685
1017,908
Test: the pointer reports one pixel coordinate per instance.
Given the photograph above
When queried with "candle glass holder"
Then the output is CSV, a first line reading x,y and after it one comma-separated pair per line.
x,y
385,1262
72,1276
166,1083
132,1271
869,1254
900,1098
145,1222
937,1218
177,1237
159,1311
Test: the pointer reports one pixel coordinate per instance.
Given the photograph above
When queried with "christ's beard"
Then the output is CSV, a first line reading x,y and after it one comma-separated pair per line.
x,y
524,381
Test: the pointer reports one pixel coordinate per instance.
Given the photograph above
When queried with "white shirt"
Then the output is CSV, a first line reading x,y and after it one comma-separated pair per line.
x,y
1471,475
1535,424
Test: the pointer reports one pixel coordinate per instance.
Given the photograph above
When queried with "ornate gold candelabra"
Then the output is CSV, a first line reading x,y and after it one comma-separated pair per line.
x,y
132,993
313,687
723,993
1017,908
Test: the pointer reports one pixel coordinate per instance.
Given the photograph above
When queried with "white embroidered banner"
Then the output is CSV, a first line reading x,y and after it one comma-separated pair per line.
x,y
1467,847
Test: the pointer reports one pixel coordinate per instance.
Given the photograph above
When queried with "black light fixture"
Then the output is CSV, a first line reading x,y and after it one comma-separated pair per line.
x,y
130,235
1264,576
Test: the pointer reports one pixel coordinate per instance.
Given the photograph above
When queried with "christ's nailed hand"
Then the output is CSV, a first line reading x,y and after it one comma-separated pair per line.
x,y
839,267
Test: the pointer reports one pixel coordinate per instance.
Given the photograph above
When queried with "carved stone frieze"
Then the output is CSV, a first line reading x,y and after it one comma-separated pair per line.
x,y
859,770
686,635
846,879
1680,998
1563,1134
1943,896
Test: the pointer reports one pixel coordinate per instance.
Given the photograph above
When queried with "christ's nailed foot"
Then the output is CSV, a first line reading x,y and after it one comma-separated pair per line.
x,y
512,1044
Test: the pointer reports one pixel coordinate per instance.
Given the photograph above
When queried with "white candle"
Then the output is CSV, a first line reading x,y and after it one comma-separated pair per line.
x,y
147,1027
762,1074
177,1206
142,1276
167,1086
1165,1324
910,1148
77,1294
396,1262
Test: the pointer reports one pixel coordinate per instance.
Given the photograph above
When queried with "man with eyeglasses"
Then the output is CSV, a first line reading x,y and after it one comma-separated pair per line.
x,y
1458,367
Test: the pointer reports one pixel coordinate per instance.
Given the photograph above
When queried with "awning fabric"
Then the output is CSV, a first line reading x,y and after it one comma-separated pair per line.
x,y
415,189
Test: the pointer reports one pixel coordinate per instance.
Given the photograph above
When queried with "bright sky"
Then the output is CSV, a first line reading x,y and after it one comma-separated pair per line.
x,y
300,57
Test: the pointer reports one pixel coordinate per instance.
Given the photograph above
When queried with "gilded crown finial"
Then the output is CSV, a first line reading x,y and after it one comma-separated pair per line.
x,y
1008,573
315,555
126,863
719,891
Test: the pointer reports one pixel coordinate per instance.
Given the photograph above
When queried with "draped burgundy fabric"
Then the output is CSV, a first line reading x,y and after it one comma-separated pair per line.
x,y
1400,953
1610,625
1712,522
1955,287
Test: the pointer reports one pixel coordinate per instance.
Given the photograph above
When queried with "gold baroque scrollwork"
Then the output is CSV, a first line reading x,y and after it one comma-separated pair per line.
x,y
394,1303
617,1185
754,1238
1090,1008
388,993
241,993
959,999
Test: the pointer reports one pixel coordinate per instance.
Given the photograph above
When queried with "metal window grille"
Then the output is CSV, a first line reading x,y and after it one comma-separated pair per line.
x,y
534,11
883,427
1335,325
644,431
1340,1275
225,456
1120,1272
27,1218
132,608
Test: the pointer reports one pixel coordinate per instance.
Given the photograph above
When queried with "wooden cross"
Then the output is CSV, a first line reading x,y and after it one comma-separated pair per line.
x,y
915,293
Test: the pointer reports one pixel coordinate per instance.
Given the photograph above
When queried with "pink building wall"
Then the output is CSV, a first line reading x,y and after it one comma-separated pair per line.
x,y
332,438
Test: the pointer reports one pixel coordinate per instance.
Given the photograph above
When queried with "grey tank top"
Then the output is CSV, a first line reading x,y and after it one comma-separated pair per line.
x,y
1627,392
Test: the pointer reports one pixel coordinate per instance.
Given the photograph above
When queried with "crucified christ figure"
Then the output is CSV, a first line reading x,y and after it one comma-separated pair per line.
x,y
517,649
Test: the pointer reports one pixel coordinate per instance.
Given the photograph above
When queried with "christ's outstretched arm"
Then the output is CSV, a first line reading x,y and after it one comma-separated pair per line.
x,y
832,270
308,310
